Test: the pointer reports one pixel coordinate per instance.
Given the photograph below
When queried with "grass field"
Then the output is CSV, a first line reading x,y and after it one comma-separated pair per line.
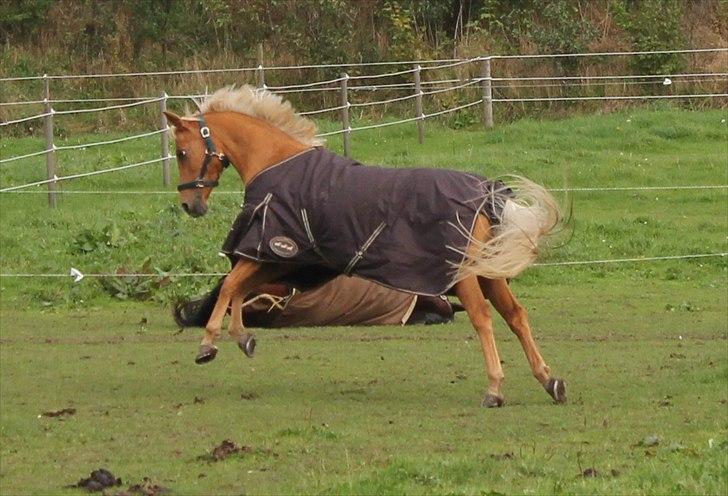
x,y
380,410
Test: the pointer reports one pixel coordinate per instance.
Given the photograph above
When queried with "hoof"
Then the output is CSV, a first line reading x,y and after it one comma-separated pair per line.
x,y
557,389
492,401
246,342
206,354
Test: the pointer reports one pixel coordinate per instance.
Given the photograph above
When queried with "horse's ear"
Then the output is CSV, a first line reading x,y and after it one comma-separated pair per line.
x,y
173,119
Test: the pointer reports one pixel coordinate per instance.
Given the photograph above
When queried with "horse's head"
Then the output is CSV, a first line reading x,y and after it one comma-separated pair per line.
x,y
200,162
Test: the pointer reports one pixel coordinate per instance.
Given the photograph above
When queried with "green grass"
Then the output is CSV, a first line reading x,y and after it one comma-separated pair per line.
x,y
381,410
377,410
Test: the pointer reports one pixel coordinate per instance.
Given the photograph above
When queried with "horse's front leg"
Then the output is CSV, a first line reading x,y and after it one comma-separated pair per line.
x,y
242,279
245,340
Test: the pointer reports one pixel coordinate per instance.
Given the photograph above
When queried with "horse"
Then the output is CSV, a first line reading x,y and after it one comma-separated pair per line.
x,y
310,215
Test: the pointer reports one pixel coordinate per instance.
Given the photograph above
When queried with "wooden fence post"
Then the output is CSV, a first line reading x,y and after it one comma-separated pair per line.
x,y
345,114
487,93
51,154
418,106
260,71
165,139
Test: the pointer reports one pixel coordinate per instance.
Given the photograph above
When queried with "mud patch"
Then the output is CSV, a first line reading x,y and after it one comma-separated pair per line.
x,y
98,481
59,413
196,401
145,488
224,450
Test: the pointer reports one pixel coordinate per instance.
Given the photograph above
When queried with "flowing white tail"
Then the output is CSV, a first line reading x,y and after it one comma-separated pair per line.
x,y
524,219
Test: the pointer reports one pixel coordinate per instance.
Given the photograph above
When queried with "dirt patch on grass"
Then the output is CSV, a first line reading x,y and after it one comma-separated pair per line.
x,y
590,472
503,456
102,479
98,481
224,450
65,412
145,488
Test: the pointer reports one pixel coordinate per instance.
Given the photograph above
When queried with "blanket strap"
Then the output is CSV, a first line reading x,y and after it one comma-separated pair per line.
x,y
311,239
360,252
263,204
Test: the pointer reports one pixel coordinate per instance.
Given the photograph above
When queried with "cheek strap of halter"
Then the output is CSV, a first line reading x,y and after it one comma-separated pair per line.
x,y
210,151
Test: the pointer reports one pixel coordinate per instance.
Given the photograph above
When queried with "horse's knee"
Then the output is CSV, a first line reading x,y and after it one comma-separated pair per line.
x,y
482,323
213,330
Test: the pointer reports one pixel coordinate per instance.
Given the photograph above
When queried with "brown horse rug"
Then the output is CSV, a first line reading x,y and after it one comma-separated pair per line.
x,y
325,215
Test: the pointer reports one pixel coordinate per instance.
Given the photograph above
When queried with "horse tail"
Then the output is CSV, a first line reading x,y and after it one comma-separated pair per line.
x,y
524,213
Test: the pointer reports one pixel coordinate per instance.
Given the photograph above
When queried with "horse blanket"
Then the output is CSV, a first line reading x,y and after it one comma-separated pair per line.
x,y
327,215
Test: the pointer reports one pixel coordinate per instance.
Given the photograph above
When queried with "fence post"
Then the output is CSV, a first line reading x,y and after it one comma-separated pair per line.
x,y
345,114
165,139
260,70
51,154
418,107
487,93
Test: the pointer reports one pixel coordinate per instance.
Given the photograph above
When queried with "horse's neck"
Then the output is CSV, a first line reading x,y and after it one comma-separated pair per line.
x,y
253,145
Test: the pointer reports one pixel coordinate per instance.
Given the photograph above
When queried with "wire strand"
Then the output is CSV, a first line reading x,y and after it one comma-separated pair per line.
x,y
110,107
625,260
84,174
621,97
623,76
109,142
19,157
25,119
558,190
218,274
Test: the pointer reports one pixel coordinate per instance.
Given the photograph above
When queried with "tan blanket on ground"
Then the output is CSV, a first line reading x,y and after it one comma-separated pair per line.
x,y
342,301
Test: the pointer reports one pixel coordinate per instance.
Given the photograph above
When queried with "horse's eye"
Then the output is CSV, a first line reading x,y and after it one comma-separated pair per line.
x,y
181,154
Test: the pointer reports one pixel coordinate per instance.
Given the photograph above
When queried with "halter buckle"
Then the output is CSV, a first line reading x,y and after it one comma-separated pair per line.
x,y
205,132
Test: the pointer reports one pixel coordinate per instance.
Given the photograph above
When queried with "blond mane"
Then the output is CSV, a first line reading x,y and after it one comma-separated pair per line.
x,y
266,106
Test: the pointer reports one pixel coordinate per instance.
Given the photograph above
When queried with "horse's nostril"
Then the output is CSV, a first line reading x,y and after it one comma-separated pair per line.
x,y
186,207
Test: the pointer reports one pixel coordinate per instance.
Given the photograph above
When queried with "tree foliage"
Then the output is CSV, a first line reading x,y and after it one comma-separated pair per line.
x,y
43,35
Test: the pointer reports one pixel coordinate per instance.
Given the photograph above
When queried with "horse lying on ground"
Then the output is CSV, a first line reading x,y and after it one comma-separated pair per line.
x,y
343,301
310,215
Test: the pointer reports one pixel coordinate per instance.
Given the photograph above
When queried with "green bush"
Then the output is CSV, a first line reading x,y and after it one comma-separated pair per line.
x,y
652,25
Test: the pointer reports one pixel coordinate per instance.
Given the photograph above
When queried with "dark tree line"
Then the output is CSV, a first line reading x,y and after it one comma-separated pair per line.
x,y
141,34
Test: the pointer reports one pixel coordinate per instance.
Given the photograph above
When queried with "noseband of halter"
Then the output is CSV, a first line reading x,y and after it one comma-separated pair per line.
x,y
210,152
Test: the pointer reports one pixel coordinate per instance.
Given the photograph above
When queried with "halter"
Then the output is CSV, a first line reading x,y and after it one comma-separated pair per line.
x,y
210,152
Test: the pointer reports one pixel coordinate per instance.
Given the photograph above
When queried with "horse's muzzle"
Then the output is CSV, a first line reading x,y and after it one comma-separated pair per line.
x,y
196,209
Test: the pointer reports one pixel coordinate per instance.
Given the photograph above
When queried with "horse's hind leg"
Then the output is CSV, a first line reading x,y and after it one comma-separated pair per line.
x,y
500,295
470,295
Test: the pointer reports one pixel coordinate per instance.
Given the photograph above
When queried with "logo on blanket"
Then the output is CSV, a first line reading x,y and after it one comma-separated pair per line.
x,y
283,246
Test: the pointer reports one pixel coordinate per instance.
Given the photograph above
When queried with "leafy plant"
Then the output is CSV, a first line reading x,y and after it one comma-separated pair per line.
x,y
464,120
110,236
136,285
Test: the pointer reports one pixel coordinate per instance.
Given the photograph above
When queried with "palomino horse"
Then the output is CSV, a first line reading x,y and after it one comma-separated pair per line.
x,y
308,211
